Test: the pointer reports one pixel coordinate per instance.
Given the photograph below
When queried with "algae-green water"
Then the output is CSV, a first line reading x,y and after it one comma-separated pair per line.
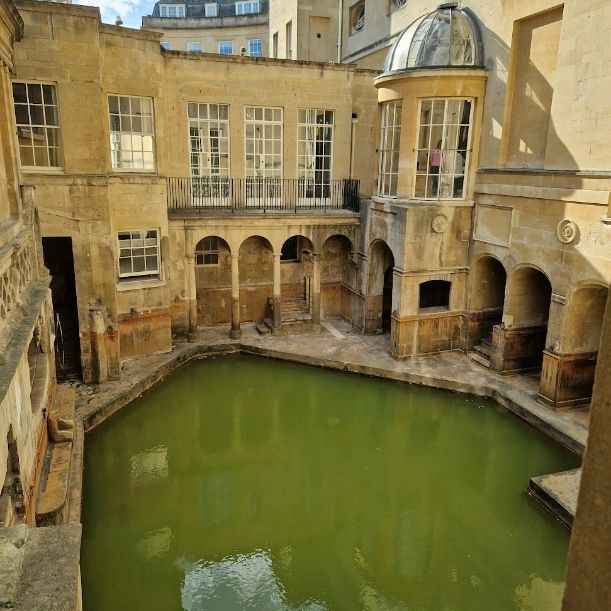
x,y
245,483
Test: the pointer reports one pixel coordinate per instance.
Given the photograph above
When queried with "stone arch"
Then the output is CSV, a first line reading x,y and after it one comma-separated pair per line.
x,y
488,284
12,499
338,277
256,277
213,280
296,271
379,287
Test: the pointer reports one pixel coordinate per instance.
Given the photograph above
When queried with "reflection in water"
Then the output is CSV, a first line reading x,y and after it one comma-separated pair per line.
x,y
249,484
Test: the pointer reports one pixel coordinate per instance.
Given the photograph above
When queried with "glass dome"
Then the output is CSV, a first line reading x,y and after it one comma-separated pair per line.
x,y
446,38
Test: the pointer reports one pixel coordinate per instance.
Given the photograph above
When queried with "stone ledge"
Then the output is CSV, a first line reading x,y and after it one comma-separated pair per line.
x,y
558,493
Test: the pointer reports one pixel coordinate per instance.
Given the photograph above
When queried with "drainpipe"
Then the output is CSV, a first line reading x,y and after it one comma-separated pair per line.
x,y
355,121
339,31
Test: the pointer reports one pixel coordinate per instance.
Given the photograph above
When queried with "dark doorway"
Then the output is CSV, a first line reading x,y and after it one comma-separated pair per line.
x,y
387,300
60,262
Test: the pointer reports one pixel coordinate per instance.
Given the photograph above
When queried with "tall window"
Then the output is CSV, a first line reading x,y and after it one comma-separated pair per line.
x,y
247,7
263,141
37,119
195,47
209,139
226,47
315,148
275,45
172,10
289,40
390,140
131,132
139,254
442,155
255,47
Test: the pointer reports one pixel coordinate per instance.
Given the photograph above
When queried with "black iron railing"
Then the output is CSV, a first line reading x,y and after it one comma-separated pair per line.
x,y
211,194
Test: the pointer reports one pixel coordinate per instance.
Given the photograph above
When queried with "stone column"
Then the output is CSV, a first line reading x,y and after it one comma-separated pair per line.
x,y
235,332
316,290
192,297
277,294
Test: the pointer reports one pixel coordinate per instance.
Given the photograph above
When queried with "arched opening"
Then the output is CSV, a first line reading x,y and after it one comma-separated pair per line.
x,y
526,318
12,500
338,278
487,298
256,271
296,271
434,294
379,301
213,281
38,365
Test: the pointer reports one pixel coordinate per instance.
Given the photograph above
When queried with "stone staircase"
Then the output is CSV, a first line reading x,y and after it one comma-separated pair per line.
x,y
481,353
296,318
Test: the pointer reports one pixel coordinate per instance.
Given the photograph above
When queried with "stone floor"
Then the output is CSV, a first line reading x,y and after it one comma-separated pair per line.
x,y
338,347
558,492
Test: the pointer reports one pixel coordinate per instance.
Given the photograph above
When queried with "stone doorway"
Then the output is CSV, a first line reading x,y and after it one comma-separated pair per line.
x,y
379,299
59,260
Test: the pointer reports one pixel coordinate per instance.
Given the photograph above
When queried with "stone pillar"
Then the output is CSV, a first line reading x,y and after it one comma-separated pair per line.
x,y
235,332
192,297
315,288
277,295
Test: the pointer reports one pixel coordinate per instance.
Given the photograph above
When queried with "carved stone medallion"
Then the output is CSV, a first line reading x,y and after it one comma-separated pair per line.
x,y
566,231
439,224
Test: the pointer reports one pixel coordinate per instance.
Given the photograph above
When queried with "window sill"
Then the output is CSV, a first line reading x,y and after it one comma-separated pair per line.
x,y
135,285
41,170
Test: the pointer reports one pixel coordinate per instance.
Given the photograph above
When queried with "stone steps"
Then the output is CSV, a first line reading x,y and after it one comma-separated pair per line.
x,y
479,359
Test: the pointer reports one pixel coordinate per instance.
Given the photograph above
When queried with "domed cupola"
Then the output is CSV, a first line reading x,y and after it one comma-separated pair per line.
x,y
449,37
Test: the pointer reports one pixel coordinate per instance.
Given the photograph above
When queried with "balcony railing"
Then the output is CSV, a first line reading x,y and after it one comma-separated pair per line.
x,y
215,194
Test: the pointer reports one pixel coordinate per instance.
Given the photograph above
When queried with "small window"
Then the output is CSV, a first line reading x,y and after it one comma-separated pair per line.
x,y
139,254
255,47
275,45
166,45
226,47
247,8
357,16
207,251
131,133
435,294
37,119
211,10
290,250
400,3
289,40
195,47
172,10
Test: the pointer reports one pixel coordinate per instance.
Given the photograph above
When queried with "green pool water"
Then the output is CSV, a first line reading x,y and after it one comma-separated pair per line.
x,y
244,483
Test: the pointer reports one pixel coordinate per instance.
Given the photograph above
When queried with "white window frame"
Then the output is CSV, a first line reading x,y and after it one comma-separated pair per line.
x,y
247,7
225,42
255,42
208,250
211,9
30,127
390,145
172,11
258,128
117,136
310,132
202,145
195,46
148,252
447,153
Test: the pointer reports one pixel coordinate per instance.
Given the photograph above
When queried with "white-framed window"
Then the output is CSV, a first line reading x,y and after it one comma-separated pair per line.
x,y
247,7
195,47
390,141
226,47
138,253
442,154
131,133
211,9
255,47
37,120
209,139
263,129
207,251
172,10
357,16
315,148
166,45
